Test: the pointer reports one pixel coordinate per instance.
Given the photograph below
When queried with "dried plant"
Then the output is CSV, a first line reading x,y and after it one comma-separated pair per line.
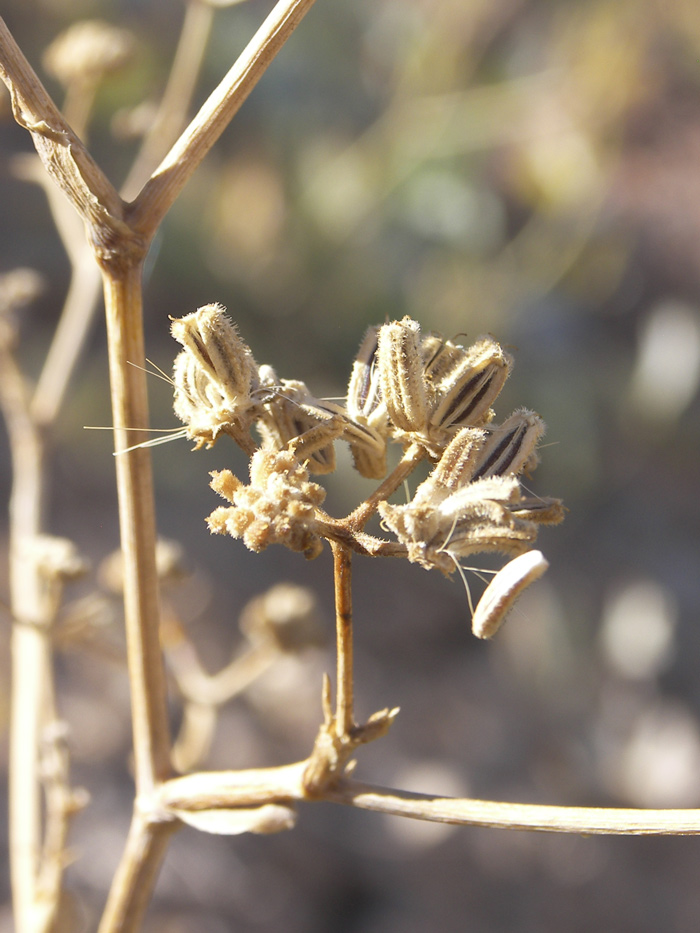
x,y
424,395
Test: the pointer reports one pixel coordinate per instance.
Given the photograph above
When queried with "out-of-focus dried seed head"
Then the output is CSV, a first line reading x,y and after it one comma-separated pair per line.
x,y
286,614
88,51
58,558
18,288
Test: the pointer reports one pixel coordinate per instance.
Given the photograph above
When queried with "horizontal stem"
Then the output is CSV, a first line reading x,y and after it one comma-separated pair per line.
x,y
497,815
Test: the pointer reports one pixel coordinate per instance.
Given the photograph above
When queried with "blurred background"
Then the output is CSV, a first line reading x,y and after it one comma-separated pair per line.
x,y
519,167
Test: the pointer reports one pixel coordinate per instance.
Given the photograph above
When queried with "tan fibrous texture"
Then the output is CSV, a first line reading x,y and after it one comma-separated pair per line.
x,y
88,51
277,507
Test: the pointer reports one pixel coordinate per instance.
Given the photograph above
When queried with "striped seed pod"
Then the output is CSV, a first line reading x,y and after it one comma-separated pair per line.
x,y
465,383
511,447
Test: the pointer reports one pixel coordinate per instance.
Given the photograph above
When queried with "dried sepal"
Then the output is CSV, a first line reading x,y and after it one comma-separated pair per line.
x,y
277,507
499,596
401,374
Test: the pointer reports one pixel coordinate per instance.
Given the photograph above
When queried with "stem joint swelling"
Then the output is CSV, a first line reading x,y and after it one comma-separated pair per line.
x,y
331,757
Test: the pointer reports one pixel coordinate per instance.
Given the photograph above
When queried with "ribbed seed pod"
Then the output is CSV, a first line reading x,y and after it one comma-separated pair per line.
x,y
401,374
212,339
465,383
511,447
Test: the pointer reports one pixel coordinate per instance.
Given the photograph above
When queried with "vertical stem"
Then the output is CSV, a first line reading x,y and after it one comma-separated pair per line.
x,y
342,573
123,305
133,882
31,650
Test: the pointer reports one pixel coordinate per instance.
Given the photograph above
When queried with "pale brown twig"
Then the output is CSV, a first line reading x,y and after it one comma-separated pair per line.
x,y
160,192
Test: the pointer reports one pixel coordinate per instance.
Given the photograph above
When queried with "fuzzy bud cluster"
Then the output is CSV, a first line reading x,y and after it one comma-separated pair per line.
x,y
277,507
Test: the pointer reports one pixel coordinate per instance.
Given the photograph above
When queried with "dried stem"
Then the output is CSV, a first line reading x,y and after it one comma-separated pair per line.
x,y
170,118
138,529
138,870
158,195
31,648
342,572
468,812
409,461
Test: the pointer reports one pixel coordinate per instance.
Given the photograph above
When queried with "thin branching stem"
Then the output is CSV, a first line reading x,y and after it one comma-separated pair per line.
x,y
166,183
409,461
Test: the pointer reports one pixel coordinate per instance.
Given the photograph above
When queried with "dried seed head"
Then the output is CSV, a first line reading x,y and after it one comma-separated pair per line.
x,y
214,378
212,339
88,51
277,507
504,589
401,375
477,517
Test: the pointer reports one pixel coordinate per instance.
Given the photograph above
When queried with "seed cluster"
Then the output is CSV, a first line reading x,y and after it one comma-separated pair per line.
x,y
429,395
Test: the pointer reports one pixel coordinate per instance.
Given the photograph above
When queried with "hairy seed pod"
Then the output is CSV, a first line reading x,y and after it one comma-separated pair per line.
x,y
511,446
212,339
364,389
466,382
504,589
401,374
